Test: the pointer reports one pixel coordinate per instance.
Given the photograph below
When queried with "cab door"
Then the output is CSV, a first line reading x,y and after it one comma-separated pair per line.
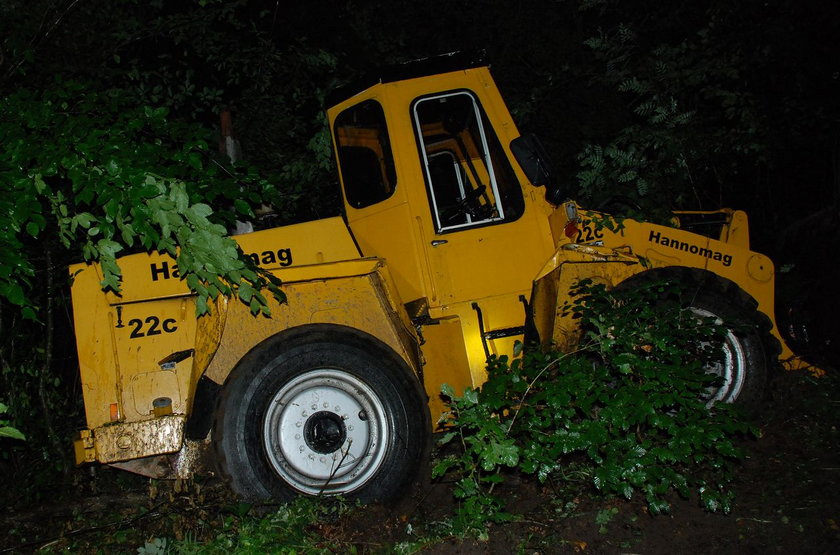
x,y
480,241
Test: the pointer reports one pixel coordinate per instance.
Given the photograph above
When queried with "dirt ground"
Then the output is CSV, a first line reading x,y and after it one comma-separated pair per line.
x,y
787,501
787,497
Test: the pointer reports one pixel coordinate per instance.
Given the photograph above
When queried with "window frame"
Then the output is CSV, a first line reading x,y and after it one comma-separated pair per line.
x,y
387,167
486,157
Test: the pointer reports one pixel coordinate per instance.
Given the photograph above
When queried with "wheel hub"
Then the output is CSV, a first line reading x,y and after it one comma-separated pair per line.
x,y
324,432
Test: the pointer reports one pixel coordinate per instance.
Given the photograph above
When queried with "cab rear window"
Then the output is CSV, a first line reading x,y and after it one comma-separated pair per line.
x,y
365,160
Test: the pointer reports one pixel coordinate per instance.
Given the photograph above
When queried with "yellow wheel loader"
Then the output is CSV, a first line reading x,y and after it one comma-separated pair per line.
x,y
454,244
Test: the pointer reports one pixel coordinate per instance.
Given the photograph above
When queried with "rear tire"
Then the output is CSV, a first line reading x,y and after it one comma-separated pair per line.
x,y
321,411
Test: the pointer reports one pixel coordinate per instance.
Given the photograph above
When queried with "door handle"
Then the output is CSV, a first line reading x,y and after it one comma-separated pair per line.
x,y
437,242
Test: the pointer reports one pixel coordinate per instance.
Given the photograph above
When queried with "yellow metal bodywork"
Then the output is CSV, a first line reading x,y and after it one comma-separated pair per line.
x,y
638,247
490,265
146,344
356,294
457,296
735,230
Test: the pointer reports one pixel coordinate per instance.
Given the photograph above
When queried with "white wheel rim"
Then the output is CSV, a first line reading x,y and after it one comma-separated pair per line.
x,y
326,432
731,367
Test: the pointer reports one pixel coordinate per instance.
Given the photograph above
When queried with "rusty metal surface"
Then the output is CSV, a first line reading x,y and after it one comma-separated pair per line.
x,y
131,440
189,460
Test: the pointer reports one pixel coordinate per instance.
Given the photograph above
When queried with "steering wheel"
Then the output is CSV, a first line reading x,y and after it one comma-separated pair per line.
x,y
468,205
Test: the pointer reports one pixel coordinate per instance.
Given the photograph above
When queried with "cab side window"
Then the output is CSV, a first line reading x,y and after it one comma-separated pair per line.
x,y
469,178
364,154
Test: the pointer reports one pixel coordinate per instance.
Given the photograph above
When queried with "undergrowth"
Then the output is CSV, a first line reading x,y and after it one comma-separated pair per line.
x,y
627,406
301,526
304,525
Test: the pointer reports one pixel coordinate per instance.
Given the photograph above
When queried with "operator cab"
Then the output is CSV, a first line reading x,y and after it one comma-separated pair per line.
x,y
423,151
430,185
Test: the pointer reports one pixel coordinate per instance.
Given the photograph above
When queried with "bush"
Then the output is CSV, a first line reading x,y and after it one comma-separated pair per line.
x,y
628,403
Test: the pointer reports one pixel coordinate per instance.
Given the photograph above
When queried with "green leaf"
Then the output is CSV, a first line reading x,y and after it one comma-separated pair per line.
x,y
178,194
112,167
505,453
471,396
246,292
7,431
40,184
243,208
201,307
13,293
446,438
194,160
198,212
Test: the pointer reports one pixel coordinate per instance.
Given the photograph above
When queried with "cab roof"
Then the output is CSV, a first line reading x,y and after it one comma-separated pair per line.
x,y
424,67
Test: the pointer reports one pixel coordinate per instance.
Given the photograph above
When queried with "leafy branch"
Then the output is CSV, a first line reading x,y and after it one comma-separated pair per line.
x,y
627,409
110,178
5,429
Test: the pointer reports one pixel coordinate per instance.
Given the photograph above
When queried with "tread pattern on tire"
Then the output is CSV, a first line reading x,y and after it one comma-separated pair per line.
x,y
236,455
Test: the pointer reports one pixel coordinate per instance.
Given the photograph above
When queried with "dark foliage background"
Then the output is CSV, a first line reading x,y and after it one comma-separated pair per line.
x,y
691,105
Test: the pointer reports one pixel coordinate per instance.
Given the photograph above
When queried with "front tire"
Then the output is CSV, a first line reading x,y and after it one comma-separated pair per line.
x,y
743,367
321,411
